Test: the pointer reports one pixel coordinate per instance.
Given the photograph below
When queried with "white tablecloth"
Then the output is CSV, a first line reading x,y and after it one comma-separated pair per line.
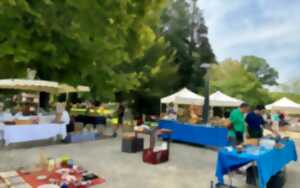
x,y
25,133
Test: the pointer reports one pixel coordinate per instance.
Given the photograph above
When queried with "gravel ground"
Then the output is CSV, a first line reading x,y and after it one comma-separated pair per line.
x,y
189,166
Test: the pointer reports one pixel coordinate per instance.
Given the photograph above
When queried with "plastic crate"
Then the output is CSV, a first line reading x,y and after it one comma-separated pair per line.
x,y
155,157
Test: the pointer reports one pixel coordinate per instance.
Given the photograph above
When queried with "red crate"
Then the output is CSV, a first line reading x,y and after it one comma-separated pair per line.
x,y
151,157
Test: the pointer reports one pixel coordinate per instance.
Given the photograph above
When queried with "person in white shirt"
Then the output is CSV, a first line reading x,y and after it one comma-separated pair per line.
x,y
65,117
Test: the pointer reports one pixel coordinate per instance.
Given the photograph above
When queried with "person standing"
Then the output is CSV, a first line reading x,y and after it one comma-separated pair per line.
x,y
120,113
171,112
237,119
256,122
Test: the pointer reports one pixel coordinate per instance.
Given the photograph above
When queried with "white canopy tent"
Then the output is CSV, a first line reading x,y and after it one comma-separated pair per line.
x,y
184,96
219,99
285,105
65,88
30,85
41,86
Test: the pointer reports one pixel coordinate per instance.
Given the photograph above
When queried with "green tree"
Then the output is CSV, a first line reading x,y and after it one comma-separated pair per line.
x,y
158,78
184,26
78,42
230,77
278,95
261,69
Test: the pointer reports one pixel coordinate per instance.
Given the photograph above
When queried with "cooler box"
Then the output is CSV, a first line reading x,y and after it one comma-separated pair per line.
x,y
132,144
155,157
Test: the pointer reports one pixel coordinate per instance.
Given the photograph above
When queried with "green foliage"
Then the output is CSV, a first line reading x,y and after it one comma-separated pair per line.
x,y
261,69
78,41
231,78
184,26
278,95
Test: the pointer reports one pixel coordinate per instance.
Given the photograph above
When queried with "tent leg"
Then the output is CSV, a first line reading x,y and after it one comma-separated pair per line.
x,y
38,104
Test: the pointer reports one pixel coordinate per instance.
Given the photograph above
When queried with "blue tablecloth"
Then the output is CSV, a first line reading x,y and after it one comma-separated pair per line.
x,y
268,162
196,134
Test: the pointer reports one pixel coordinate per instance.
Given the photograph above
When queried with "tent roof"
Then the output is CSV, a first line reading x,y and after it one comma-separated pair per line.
x,y
220,99
286,105
31,85
65,88
41,86
184,96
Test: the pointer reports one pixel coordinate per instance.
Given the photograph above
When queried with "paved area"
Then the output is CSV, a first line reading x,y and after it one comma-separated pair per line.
x,y
189,166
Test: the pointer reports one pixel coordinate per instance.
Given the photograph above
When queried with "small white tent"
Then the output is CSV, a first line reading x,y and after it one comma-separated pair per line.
x,y
184,96
219,99
285,105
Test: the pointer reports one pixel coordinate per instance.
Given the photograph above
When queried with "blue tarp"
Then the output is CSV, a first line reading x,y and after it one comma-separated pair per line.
x,y
196,134
268,162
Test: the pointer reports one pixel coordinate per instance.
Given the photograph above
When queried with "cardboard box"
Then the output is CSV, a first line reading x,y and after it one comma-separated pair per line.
x,y
132,144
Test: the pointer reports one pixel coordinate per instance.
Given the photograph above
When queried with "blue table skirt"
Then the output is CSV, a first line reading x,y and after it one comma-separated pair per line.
x,y
196,134
268,162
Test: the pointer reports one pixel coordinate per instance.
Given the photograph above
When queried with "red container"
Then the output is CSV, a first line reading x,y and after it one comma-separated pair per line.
x,y
151,157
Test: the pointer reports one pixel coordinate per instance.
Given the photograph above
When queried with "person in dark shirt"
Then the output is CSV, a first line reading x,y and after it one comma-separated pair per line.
x,y
256,122
120,114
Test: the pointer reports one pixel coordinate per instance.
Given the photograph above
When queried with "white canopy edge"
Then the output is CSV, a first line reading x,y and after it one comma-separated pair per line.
x,y
284,105
184,96
219,99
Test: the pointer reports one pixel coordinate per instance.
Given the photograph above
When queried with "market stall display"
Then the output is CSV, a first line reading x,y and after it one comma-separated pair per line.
x,y
33,132
196,134
270,157
186,127
35,127
53,173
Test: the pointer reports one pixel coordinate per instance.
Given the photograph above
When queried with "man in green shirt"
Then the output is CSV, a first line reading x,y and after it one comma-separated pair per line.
x,y
237,119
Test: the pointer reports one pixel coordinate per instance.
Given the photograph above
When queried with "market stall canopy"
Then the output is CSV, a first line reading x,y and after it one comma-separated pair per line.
x,y
219,99
184,96
65,88
30,85
41,86
285,105
82,88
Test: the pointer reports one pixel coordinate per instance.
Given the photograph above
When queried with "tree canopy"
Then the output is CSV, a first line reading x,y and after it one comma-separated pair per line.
x,y
231,78
78,42
261,69
184,26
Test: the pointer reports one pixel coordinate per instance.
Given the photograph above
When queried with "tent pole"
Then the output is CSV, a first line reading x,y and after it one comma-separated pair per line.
x,y
38,104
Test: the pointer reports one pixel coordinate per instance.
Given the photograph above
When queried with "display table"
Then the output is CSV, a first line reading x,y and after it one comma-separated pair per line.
x,y
196,134
268,162
25,133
